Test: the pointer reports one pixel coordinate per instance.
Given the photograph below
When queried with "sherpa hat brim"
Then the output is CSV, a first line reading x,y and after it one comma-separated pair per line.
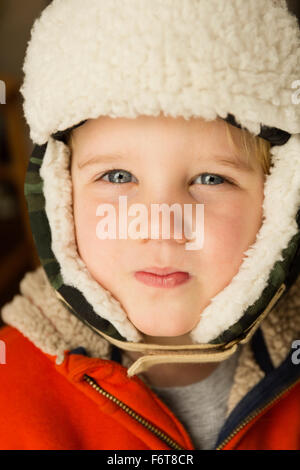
x,y
185,58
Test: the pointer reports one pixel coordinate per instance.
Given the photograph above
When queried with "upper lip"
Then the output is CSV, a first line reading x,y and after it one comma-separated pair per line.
x,y
161,271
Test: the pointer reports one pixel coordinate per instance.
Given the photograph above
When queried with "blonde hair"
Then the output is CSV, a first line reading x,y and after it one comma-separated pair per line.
x,y
252,146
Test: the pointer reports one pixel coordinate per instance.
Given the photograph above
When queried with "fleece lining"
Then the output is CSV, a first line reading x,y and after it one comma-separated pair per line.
x,y
195,58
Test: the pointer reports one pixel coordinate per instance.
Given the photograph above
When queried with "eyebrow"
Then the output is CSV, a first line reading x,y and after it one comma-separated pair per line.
x,y
237,164
107,158
99,158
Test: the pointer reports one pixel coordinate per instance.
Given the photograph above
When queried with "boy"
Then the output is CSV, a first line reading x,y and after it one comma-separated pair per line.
x,y
123,89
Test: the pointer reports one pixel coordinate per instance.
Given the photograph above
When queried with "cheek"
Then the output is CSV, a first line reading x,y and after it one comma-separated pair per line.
x,y
97,254
84,210
230,228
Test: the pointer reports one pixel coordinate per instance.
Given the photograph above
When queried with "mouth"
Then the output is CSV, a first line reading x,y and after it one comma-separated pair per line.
x,y
162,277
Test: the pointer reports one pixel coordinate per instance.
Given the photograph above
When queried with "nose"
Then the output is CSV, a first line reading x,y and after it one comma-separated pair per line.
x,y
175,231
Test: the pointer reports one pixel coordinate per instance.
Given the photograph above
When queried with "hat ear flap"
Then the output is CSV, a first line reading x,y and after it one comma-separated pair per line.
x,y
267,263
69,274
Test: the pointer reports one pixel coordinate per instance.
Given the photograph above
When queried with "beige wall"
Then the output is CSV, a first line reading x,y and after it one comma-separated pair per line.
x,y
16,19
294,6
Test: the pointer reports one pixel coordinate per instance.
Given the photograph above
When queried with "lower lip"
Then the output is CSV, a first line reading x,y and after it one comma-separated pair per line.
x,y
154,280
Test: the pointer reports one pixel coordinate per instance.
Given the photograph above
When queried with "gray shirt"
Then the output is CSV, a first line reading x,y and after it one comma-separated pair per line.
x,y
201,407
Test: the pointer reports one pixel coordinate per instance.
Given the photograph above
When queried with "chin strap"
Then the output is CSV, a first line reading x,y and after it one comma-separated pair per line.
x,y
195,353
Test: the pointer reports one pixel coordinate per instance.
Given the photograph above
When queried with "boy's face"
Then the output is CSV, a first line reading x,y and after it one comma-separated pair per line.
x,y
162,160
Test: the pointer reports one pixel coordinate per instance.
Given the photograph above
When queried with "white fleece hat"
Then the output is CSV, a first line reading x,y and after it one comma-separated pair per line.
x,y
234,59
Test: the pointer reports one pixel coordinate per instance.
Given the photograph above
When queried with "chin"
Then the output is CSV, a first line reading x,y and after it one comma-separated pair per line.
x,y
164,331
164,323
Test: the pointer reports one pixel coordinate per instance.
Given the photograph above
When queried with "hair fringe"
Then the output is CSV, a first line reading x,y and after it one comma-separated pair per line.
x,y
252,145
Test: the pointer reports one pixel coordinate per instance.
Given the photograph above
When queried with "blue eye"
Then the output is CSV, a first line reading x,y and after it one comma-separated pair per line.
x,y
211,179
122,176
117,176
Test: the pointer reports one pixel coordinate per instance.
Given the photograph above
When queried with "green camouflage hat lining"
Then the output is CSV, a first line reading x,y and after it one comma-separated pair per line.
x,y
41,231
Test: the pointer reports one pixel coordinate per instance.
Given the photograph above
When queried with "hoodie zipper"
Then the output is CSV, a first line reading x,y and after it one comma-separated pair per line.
x,y
254,414
144,422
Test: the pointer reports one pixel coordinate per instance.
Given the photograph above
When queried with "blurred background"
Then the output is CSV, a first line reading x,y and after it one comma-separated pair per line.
x,y
17,250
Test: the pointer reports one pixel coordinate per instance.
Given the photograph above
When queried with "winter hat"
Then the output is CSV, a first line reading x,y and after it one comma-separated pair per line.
x,y
233,59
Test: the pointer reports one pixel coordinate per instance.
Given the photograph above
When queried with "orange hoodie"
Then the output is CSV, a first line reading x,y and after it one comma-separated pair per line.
x,y
86,402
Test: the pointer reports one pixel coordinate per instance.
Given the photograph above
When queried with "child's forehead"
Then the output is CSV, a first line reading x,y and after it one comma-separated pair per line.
x,y
208,138
105,139
164,127
146,120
